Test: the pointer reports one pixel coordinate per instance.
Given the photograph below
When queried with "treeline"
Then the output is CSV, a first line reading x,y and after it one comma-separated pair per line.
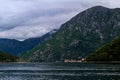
x,y
108,52
4,57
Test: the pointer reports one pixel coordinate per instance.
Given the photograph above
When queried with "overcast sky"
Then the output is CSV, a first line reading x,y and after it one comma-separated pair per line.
x,y
22,19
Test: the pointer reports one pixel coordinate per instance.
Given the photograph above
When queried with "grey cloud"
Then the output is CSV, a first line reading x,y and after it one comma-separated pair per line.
x,y
32,18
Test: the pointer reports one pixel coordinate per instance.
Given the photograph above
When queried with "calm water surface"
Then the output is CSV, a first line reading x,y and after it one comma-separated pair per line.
x,y
47,71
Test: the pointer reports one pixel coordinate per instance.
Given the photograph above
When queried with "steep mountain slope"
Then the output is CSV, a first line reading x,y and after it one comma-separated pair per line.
x,y
80,36
15,47
108,52
4,57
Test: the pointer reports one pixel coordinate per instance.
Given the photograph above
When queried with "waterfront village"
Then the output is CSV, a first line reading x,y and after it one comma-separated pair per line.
x,y
74,61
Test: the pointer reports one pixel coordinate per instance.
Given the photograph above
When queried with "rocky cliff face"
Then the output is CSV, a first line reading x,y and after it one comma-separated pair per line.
x,y
79,36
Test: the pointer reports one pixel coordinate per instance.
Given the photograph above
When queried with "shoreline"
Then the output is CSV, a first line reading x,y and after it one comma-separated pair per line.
x,y
85,62
103,62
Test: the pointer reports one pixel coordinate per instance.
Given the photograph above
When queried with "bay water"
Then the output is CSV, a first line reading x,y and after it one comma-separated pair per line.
x,y
59,71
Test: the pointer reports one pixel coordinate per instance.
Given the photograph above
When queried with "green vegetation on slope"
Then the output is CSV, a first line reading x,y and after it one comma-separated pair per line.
x,y
78,37
4,57
108,52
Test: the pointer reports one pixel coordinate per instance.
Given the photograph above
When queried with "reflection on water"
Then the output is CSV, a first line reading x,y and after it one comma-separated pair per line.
x,y
47,71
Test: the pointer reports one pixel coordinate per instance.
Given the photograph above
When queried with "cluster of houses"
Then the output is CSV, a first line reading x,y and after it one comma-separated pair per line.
x,y
74,61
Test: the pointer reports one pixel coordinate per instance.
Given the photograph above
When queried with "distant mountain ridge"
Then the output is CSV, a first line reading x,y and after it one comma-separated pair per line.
x,y
15,47
79,37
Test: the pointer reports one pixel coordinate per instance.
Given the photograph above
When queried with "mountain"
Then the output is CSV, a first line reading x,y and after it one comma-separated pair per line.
x,y
15,47
108,52
4,57
79,37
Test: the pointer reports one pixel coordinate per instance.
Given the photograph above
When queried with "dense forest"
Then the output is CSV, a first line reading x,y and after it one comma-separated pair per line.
x,y
108,52
4,57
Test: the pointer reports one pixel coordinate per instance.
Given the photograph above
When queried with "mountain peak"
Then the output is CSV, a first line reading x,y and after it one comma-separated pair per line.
x,y
99,7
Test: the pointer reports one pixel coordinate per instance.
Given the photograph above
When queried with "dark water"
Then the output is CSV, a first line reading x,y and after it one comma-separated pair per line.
x,y
37,71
